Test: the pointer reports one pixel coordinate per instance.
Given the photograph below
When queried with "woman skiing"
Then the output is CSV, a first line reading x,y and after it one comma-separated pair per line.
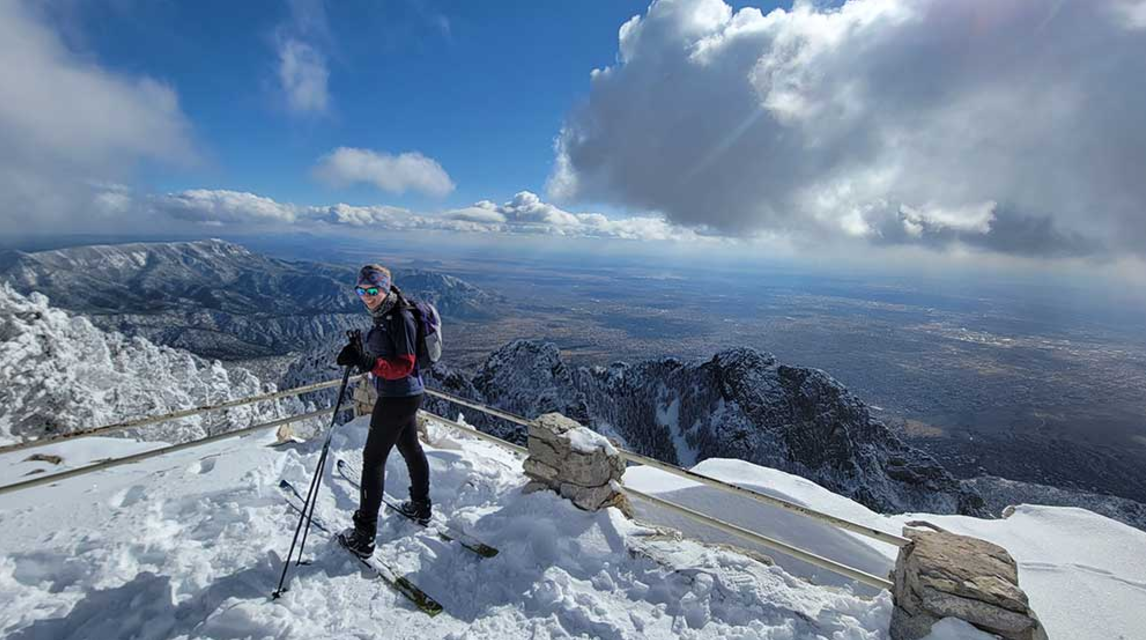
x,y
389,352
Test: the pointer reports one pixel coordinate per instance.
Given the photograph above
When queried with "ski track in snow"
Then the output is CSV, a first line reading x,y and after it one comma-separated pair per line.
x,y
189,545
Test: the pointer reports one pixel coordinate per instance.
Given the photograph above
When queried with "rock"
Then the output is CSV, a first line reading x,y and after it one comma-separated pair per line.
x,y
551,426
740,404
575,462
587,498
941,574
537,469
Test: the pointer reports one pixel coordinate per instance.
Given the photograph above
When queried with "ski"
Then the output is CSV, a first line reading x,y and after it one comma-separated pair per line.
x,y
399,583
444,531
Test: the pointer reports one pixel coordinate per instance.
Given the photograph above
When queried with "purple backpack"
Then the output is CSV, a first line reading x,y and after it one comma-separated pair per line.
x,y
429,329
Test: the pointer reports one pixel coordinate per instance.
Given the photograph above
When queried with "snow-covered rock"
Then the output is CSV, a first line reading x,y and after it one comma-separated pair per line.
x,y
740,404
60,374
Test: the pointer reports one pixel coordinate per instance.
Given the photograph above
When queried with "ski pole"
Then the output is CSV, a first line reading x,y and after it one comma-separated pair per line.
x,y
312,493
355,338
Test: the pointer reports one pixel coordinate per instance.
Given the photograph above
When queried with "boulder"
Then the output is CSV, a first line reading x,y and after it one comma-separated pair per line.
x,y
942,574
577,463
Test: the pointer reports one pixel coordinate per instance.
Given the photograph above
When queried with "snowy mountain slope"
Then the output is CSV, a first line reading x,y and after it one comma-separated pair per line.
x,y
59,374
217,298
740,404
187,545
1085,574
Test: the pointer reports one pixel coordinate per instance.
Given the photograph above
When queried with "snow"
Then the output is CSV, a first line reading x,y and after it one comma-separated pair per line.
x,y
955,629
587,441
16,465
188,545
668,416
770,521
1085,574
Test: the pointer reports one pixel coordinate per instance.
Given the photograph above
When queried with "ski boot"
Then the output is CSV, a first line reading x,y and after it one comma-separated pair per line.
x,y
359,539
417,510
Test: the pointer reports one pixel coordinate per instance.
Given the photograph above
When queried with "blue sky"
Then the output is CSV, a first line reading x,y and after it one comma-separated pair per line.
x,y
480,87
889,132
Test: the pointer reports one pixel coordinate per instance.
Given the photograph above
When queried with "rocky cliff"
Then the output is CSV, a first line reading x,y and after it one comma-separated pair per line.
x,y
740,404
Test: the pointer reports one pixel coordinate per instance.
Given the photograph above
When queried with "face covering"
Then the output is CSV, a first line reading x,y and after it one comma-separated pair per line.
x,y
386,306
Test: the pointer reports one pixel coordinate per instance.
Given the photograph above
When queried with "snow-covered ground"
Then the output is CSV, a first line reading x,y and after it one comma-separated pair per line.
x,y
188,545
1085,574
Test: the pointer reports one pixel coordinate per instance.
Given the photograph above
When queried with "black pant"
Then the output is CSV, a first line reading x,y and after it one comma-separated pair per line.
x,y
393,422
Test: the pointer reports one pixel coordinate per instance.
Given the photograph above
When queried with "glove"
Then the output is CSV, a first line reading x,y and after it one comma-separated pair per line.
x,y
350,354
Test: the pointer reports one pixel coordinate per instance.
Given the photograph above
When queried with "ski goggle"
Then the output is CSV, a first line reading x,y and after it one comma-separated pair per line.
x,y
367,291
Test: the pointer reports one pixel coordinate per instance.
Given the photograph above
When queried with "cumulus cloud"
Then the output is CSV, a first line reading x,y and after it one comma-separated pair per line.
x,y
1132,13
484,212
302,67
525,214
68,125
409,171
378,215
915,121
223,207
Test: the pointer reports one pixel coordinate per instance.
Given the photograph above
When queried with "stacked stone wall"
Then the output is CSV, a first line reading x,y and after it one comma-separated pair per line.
x,y
576,462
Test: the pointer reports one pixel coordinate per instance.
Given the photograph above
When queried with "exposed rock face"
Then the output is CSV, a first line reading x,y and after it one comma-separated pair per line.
x,y
216,298
575,462
947,575
740,404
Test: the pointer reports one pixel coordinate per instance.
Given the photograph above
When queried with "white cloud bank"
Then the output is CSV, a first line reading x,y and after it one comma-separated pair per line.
x,y
1010,125
525,214
68,125
409,171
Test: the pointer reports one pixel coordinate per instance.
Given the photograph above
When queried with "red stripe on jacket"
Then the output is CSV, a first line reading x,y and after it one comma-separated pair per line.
x,y
394,368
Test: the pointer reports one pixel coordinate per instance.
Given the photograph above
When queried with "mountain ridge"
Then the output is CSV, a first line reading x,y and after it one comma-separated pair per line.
x,y
217,298
740,404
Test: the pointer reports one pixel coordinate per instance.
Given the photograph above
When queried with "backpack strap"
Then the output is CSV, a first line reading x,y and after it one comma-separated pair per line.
x,y
420,335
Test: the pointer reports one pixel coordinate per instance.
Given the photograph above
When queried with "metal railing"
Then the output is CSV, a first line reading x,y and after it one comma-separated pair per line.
x,y
817,560
729,528
174,415
151,453
772,543
841,523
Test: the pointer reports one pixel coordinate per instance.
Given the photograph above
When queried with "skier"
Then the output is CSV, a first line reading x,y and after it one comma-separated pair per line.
x,y
389,352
